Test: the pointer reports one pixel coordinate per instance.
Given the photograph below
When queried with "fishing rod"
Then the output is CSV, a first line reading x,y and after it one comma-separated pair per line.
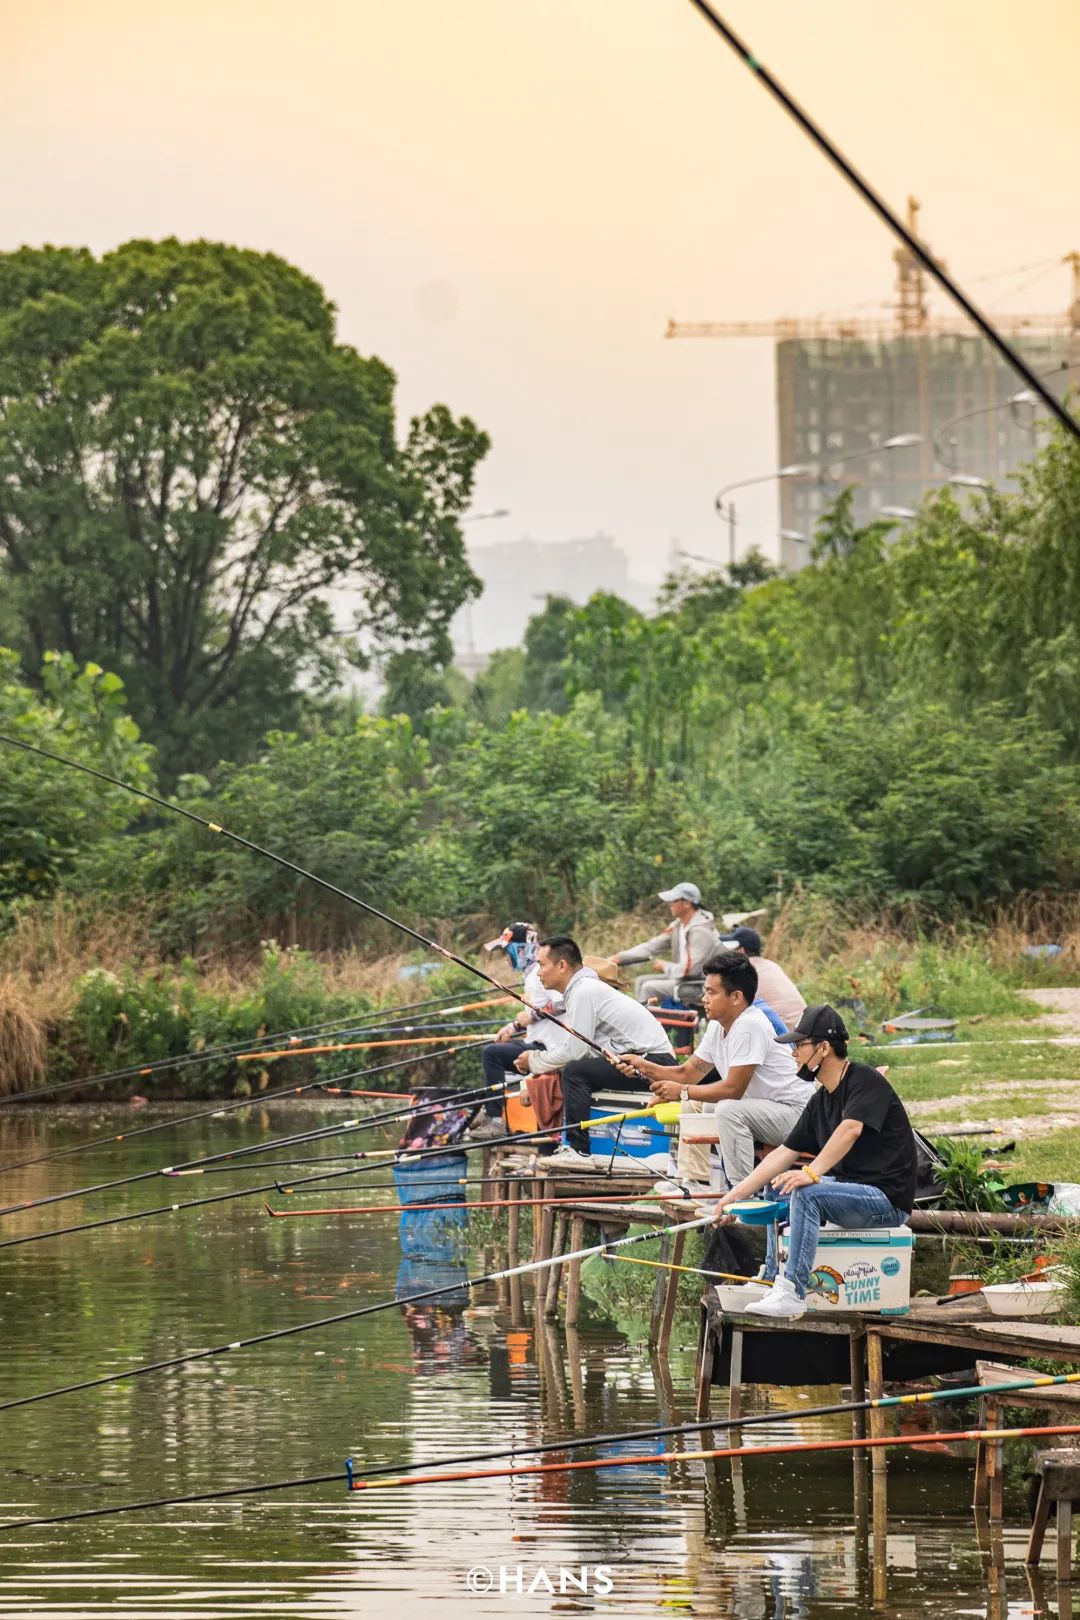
x,y
495,1203
229,1107
412,1157
193,1167
933,266
274,1334
351,1046
300,871
185,1059
627,1436
783,1448
696,1271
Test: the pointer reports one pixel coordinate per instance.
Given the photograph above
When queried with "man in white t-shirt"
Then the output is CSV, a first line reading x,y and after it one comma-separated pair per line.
x,y
756,1089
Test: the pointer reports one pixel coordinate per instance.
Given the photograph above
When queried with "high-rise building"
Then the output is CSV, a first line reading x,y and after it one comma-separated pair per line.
x,y
838,397
846,386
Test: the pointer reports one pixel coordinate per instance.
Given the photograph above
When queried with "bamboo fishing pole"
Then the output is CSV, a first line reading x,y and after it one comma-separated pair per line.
x,y
274,1334
300,871
933,266
194,1166
541,1448
345,1046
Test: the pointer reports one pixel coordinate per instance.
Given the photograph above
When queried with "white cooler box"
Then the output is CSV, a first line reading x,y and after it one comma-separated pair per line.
x,y
861,1270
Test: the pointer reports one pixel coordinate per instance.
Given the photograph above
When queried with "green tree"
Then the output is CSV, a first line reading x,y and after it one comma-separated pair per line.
x,y
189,462
50,816
547,644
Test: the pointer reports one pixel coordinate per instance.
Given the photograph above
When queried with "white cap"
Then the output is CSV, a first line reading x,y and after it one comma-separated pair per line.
x,y
682,891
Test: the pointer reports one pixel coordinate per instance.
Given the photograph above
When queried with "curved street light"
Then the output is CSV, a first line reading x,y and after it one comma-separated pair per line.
x,y
797,469
899,441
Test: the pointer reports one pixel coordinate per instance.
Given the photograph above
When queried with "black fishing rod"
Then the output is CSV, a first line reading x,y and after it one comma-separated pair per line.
x,y
228,1108
934,267
413,1156
300,871
137,1071
350,1316
193,1167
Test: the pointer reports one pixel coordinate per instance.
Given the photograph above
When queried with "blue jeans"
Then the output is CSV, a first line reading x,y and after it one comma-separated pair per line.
x,y
846,1203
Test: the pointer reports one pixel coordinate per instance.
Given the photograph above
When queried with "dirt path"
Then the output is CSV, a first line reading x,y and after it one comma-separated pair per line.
x,y
1061,1008
1061,1013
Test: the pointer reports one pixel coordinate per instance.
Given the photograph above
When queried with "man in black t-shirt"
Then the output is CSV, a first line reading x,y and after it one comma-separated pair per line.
x,y
862,1172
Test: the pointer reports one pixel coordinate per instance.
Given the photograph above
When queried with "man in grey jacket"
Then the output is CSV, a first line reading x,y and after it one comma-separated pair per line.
x,y
680,951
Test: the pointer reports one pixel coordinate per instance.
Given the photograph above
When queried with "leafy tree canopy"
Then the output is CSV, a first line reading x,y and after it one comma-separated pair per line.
x,y
189,461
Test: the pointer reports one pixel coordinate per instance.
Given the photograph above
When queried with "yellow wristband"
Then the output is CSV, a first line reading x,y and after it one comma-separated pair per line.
x,y
811,1173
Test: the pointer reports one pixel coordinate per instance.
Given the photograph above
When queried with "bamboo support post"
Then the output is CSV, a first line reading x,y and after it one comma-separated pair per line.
x,y
554,1276
573,1277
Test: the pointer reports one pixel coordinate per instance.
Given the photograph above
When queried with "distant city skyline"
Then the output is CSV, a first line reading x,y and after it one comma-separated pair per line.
x,y
519,575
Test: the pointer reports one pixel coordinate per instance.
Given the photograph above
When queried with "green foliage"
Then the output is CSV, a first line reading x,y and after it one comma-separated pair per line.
x,y
48,820
965,1181
189,460
344,805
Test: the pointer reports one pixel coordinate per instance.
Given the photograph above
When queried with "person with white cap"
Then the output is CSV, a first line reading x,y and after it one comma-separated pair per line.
x,y
690,937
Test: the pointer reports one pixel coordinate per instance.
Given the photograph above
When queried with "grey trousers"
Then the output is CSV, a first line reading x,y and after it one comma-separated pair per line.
x,y
736,1124
647,985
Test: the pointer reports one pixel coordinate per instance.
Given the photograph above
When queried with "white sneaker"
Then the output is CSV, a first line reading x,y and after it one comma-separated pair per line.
x,y
568,1158
781,1301
672,1189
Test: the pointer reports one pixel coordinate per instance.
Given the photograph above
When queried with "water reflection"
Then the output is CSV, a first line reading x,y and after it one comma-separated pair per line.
x,y
470,1371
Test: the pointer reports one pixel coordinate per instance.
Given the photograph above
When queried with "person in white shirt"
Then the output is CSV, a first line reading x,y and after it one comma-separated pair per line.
x,y
604,1016
520,941
690,937
758,1095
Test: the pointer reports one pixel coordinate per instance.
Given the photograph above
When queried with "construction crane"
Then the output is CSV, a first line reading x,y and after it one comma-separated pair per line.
x,y
910,317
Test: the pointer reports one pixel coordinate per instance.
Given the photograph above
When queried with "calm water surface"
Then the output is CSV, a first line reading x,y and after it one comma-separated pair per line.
x,y
781,1539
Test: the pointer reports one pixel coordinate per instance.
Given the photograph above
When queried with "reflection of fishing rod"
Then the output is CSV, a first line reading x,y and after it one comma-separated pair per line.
x,y
934,267
299,871
344,1316
228,1107
139,1071
194,1167
626,1437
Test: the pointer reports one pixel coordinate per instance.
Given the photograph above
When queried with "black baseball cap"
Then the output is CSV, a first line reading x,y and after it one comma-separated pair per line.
x,y
816,1024
748,938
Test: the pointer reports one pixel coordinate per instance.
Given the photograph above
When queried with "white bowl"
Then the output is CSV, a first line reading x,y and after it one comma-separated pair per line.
x,y
737,1297
1025,1299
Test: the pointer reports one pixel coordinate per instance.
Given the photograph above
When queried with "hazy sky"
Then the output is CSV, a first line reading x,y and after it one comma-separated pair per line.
x,y
507,198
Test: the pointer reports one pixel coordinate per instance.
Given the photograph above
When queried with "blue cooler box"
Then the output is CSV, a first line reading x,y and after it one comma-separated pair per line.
x,y
642,1139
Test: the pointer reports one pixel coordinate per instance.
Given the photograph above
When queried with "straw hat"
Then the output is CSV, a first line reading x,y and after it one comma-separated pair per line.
x,y
607,971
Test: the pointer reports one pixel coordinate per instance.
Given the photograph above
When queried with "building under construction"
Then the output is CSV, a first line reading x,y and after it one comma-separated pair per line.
x,y
844,388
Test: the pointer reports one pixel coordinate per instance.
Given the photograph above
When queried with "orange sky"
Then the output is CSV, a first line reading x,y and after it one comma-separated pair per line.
x,y
508,198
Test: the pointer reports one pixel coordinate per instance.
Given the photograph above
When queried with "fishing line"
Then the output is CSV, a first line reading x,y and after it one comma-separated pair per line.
x,y
933,266
628,1436
300,871
345,1316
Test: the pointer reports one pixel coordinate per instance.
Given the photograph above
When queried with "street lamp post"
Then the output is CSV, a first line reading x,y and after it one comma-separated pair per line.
x,y
796,470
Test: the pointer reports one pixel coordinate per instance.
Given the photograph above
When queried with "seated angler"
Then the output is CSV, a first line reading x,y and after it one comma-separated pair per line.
x,y
776,993
862,1170
689,937
740,1068
601,1014
524,1031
